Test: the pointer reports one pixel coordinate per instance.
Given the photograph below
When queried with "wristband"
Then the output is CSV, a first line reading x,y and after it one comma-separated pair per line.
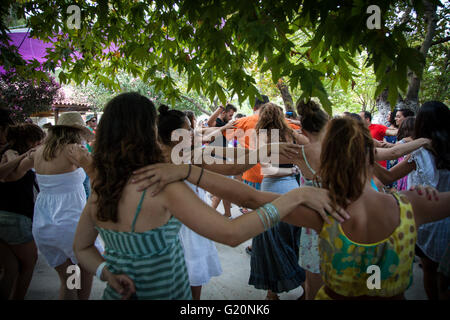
x,y
99,271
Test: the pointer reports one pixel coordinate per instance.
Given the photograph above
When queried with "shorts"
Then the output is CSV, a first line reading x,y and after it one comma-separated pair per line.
x,y
15,228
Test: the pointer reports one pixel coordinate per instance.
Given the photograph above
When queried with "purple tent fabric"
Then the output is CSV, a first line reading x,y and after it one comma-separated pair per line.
x,y
29,48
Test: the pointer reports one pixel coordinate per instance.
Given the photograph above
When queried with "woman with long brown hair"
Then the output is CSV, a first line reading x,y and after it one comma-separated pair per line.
x,y
144,257
381,233
274,256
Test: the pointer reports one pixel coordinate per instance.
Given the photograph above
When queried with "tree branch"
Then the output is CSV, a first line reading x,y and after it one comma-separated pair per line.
x,y
199,107
443,40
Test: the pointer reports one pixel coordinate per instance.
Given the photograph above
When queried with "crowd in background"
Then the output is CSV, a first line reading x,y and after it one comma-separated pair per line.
x,y
108,198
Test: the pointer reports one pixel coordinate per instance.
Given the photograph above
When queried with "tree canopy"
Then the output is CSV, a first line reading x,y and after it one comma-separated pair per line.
x,y
214,43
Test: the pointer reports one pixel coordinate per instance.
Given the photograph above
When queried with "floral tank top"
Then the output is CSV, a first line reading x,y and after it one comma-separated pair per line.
x,y
344,263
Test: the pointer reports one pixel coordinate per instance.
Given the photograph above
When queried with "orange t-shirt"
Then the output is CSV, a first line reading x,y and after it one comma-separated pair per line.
x,y
247,124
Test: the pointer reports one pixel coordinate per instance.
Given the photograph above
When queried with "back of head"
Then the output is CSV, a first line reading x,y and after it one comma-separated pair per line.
x,y
347,151
354,116
5,118
432,122
271,117
191,116
258,102
312,117
22,137
406,129
58,137
367,115
126,139
168,121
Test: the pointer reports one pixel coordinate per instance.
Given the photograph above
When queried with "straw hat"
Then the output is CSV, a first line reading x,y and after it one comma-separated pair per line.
x,y
73,119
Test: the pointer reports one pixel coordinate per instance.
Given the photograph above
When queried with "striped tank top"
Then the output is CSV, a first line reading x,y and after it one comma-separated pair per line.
x,y
153,259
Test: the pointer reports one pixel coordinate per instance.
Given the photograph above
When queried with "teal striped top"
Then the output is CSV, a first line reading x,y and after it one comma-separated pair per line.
x,y
154,260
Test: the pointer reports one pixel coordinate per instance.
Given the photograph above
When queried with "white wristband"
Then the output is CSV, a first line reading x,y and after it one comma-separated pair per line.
x,y
100,269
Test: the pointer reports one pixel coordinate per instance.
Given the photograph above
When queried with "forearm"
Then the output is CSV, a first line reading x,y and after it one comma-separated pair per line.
x,y
399,150
230,189
384,175
241,160
89,258
212,120
7,168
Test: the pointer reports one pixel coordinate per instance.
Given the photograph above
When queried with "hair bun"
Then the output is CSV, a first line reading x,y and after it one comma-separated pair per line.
x,y
163,109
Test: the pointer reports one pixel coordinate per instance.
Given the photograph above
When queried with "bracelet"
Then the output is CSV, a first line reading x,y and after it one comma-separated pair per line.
x,y
189,172
262,220
273,213
201,173
100,268
267,218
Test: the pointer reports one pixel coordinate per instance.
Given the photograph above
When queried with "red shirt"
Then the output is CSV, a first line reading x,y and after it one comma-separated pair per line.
x,y
378,131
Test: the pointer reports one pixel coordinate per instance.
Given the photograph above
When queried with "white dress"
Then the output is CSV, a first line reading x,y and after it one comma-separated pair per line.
x,y
200,253
434,237
57,211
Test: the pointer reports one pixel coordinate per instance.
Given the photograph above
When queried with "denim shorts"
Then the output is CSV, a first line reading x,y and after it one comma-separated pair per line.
x,y
15,228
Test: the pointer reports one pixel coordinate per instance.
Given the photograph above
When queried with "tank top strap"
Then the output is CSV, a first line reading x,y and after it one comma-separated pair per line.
x,y
306,161
138,209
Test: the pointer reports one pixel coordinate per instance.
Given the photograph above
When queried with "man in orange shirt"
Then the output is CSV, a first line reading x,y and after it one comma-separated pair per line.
x,y
253,176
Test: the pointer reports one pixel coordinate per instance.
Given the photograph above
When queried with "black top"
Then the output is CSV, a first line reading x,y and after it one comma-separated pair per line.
x,y
18,196
220,141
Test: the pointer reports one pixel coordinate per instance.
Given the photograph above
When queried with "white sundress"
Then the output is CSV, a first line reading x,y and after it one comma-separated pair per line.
x,y
434,237
57,211
200,253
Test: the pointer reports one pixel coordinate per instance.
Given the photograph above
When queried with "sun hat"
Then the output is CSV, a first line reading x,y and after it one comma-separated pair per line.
x,y
90,117
73,119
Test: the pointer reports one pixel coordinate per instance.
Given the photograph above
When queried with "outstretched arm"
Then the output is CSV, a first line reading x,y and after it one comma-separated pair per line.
x,y
181,201
398,171
25,164
400,149
10,166
426,210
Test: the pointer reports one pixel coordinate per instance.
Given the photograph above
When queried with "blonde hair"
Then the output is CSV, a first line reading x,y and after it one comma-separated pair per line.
x,y
58,137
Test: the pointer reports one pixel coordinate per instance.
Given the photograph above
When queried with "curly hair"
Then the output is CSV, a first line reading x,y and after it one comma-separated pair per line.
x,y
271,117
21,136
126,139
347,149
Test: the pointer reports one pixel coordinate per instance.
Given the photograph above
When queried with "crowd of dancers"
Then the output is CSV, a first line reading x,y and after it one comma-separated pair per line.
x,y
346,195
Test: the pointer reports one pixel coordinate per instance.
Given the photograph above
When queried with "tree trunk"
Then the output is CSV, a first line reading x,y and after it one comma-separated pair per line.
x,y
431,19
383,106
287,98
